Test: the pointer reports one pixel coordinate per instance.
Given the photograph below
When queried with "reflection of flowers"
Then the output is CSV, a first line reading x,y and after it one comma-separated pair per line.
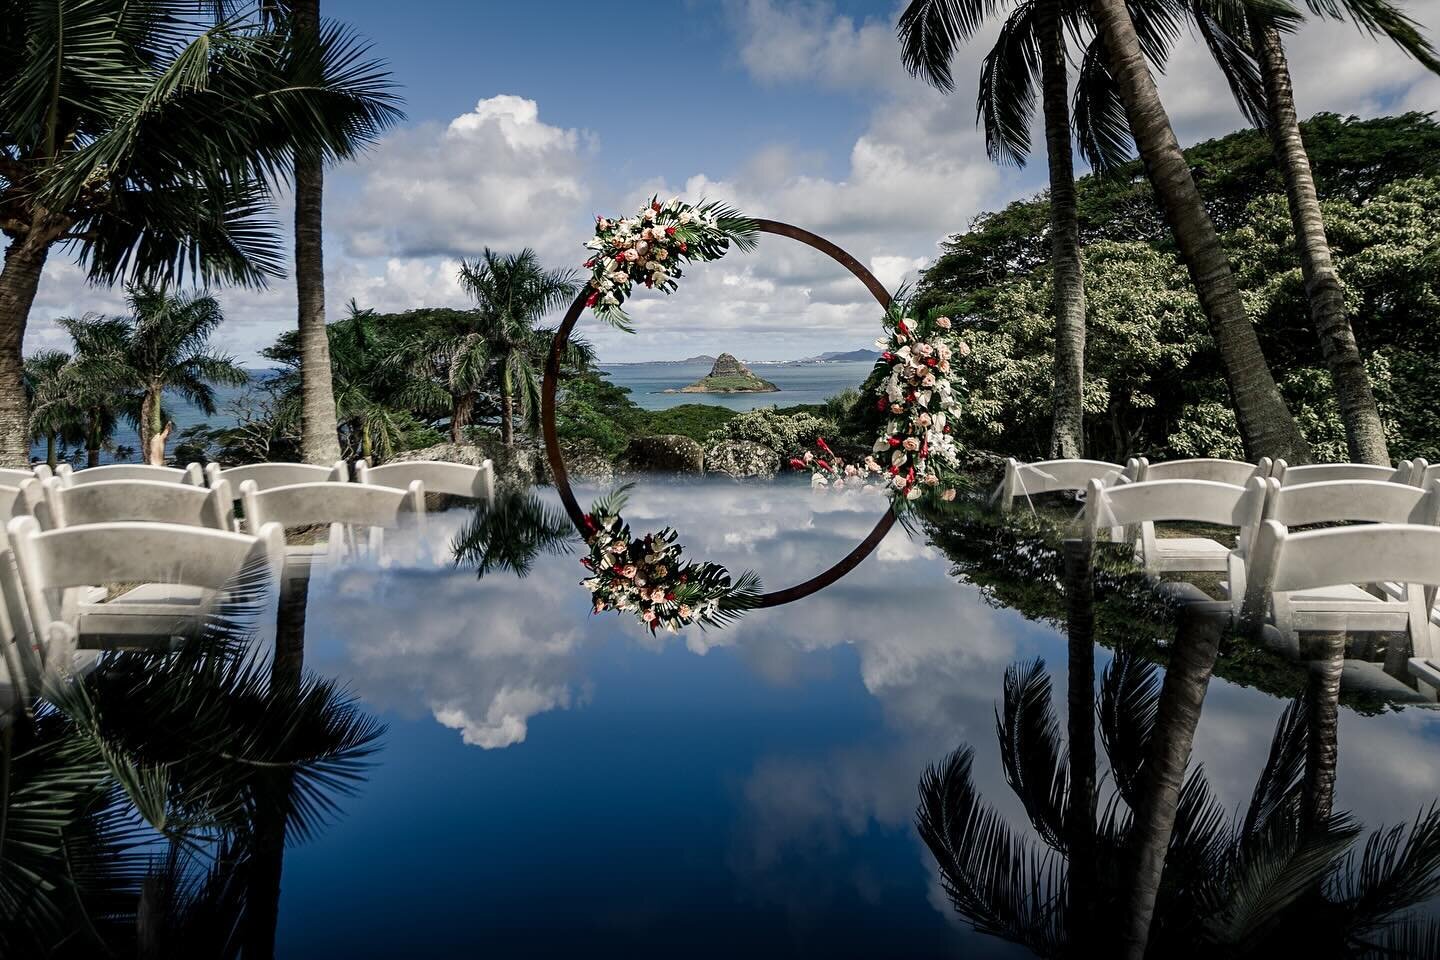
x,y
650,247
647,577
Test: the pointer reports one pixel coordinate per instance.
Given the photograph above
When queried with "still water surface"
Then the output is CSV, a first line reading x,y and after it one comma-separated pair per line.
x,y
554,783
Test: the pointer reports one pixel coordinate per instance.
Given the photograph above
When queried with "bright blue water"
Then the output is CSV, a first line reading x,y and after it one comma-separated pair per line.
x,y
798,383
555,784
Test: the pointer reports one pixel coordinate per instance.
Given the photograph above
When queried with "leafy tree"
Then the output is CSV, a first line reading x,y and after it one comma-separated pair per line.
x,y
54,416
503,345
145,141
164,345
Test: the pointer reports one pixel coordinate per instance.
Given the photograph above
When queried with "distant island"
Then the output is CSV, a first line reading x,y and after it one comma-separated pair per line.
x,y
728,375
833,356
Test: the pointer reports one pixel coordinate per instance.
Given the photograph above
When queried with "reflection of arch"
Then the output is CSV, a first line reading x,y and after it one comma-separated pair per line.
x,y
557,461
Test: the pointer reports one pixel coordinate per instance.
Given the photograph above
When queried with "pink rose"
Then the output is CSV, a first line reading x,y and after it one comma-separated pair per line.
x,y
943,323
964,349
948,495
911,444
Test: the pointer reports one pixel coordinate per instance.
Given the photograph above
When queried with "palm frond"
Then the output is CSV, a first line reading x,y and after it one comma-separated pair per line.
x,y
510,533
1397,870
1030,750
931,31
1009,73
1129,705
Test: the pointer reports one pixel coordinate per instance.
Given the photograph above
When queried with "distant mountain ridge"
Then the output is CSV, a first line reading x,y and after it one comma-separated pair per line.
x,y
832,356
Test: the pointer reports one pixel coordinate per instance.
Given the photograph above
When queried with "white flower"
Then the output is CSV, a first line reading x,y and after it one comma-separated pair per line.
x,y
686,216
964,348
817,480
914,494
943,323
648,213
609,300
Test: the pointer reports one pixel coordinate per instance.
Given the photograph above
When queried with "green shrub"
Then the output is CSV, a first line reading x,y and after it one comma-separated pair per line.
x,y
786,434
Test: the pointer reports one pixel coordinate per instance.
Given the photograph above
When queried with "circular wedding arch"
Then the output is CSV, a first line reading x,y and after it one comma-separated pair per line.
x,y
773,598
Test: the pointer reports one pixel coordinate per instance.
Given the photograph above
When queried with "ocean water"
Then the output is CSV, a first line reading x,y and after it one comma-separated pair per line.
x,y
798,383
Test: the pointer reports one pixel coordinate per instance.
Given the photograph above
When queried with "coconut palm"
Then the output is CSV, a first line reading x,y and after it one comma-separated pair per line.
x,y
54,415
1265,423
503,346
164,345
1275,112
145,141
99,403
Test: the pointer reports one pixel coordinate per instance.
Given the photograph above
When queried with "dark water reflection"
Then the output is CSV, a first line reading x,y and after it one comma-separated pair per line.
x,y
554,782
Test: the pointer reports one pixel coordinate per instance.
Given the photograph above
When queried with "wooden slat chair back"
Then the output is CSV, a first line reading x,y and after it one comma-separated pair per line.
x,y
50,563
1234,472
1326,472
454,479
192,475
267,476
1149,502
136,500
1055,476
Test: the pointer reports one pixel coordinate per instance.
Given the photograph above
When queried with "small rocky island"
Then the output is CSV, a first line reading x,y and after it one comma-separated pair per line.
x,y
728,375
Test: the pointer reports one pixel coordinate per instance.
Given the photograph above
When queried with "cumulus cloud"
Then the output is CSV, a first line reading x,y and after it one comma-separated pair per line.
x,y
497,176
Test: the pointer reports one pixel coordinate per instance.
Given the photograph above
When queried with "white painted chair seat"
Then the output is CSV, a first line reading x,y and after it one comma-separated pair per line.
x,y
1189,554
267,476
137,500
439,476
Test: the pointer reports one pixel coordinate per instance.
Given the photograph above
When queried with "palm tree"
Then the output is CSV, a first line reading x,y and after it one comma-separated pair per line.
x,y
510,533
1266,425
1364,432
54,416
164,345
145,142
511,292
101,405
1031,41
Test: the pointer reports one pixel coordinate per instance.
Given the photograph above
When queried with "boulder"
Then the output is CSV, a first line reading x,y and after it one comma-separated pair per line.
x,y
742,458
584,462
666,453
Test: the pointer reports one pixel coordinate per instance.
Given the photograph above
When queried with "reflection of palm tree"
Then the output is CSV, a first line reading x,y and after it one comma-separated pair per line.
x,y
182,747
510,533
1251,886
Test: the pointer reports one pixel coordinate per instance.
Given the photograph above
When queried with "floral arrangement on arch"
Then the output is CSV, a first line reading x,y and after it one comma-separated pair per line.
x,y
647,577
652,247
916,453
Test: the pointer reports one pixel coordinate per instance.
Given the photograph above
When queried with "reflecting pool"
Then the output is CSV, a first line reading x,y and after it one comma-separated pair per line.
x,y
553,782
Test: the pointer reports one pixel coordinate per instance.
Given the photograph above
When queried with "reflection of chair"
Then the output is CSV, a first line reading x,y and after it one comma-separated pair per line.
x,y
1234,472
1342,605
1285,562
147,500
1197,501
1052,476
341,506
270,475
191,475
194,562
1327,472
455,479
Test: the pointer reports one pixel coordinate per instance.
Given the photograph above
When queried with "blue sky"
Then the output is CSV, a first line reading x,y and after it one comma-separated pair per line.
x,y
524,120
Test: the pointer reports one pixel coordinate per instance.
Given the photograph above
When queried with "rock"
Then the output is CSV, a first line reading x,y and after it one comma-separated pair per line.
x,y
729,375
584,462
742,458
666,453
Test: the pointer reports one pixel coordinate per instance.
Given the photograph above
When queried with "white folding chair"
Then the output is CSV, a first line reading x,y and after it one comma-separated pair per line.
x,y
1326,472
439,476
1234,472
267,476
1053,476
1422,474
1286,562
137,500
191,475
342,506
1347,606
1160,501
12,477
194,562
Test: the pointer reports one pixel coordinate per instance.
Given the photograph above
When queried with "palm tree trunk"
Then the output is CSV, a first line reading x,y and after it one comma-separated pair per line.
x,y
1364,433
149,422
319,432
19,280
507,405
92,441
462,409
1322,746
1192,659
50,457
1266,426
1080,693
1067,394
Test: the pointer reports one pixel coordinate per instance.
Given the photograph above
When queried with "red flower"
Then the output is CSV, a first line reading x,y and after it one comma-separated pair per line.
x,y
930,361
893,441
881,404
649,282
823,465
820,442
620,262
887,356
670,595
900,325
797,463
669,231
594,298
589,263
947,429
894,470
589,521
683,246
655,205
